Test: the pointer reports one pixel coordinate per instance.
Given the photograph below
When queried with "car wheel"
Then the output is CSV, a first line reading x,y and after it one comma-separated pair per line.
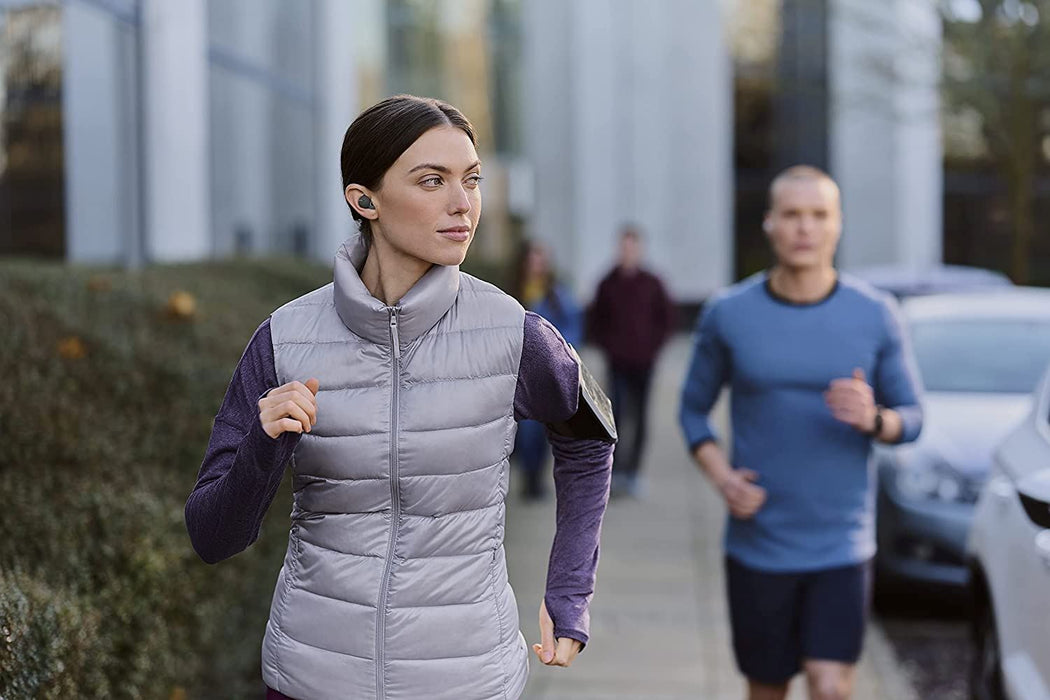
x,y
986,670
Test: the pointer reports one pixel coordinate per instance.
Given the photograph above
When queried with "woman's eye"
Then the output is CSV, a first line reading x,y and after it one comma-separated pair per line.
x,y
474,180
432,181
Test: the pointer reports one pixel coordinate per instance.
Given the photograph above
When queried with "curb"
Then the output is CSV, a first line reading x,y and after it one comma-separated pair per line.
x,y
892,676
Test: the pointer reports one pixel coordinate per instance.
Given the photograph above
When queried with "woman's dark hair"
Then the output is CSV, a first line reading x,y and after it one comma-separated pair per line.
x,y
550,282
384,131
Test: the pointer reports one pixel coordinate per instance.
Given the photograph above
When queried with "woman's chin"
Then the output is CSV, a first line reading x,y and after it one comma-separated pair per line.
x,y
450,257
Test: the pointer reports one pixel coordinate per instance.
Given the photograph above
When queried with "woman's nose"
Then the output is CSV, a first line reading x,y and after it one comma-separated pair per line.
x,y
459,200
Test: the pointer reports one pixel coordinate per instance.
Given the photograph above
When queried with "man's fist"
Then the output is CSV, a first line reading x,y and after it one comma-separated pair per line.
x,y
741,494
852,401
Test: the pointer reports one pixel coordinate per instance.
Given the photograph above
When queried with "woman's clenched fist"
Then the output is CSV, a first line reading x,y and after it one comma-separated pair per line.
x,y
291,407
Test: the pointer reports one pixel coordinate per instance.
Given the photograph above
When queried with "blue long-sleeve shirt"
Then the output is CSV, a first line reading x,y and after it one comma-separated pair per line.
x,y
778,359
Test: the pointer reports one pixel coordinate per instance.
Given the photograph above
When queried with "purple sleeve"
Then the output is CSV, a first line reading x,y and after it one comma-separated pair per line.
x,y
243,466
548,391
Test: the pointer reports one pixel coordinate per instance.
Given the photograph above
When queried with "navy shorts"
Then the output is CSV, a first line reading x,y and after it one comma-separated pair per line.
x,y
780,619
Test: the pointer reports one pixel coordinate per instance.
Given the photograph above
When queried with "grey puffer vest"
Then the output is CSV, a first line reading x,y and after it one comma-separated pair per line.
x,y
395,584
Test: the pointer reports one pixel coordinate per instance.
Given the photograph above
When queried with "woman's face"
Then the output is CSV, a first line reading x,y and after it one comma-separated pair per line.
x,y
536,262
429,201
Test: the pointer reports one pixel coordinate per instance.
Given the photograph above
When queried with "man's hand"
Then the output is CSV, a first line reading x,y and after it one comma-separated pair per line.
x,y
852,401
741,494
551,654
291,407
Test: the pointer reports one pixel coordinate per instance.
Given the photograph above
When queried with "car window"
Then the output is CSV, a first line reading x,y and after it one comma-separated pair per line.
x,y
1005,356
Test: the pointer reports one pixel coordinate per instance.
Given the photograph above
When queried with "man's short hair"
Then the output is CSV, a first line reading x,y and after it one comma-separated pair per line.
x,y
800,173
630,231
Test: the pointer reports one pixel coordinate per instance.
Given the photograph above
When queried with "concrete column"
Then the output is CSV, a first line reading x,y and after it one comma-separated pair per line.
x,y
96,200
336,91
549,127
176,109
920,152
696,127
629,121
885,133
600,139
241,128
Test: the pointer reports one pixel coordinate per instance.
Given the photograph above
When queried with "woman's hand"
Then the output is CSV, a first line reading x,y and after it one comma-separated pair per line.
x,y
550,653
291,407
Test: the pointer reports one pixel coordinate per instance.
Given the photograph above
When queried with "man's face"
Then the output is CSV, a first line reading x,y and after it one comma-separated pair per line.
x,y
805,223
630,252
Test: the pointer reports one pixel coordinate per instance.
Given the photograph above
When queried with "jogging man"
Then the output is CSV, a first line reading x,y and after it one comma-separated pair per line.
x,y
819,366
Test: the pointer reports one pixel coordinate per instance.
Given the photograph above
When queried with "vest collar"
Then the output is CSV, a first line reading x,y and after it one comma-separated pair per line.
x,y
417,312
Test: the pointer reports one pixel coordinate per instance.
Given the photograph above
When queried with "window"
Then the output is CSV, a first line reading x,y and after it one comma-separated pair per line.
x,y
31,162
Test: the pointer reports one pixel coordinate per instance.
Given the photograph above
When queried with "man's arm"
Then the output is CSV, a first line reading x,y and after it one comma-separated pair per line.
x,y
737,486
708,372
668,312
897,383
888,408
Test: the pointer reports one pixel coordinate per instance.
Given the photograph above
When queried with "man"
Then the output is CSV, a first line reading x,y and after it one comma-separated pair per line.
x,y
819,366
630,319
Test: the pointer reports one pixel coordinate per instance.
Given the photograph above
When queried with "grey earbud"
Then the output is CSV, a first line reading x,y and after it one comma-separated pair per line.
x,y
364,202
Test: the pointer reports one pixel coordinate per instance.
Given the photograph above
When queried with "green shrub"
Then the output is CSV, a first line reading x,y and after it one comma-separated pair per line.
x,y
105,411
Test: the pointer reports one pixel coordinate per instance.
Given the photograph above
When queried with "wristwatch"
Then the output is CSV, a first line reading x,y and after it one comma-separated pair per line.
x,y
878,423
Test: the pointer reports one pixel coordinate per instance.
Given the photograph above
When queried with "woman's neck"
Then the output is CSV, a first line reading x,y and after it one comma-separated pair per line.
x,y
388,274
802,285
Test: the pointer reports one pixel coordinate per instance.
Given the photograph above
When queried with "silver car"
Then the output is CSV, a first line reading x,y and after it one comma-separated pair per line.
x,y
979,356
1010,564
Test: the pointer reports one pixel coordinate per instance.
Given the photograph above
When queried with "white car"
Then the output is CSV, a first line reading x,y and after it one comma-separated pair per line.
x,y
1009,552
979,354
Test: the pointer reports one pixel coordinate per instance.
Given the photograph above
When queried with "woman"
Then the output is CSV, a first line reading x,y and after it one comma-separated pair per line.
x,y
538,291
394,393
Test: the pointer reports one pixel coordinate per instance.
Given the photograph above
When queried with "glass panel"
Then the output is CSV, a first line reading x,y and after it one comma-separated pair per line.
x,y
262,125
31,161
981,355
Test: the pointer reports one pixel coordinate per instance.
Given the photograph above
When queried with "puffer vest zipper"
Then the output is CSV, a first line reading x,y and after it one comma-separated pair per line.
x,y
417,398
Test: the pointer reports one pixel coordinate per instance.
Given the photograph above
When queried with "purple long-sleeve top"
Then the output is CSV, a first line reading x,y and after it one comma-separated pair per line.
x,y
243,468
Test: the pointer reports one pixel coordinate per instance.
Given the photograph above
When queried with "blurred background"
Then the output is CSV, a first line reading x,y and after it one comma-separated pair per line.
x,y
169,175
137,132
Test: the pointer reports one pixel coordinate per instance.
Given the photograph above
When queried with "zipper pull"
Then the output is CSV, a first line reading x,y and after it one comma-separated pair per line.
x,y
395,339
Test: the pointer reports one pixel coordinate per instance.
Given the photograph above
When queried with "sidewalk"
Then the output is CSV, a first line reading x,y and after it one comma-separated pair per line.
x,y
659,627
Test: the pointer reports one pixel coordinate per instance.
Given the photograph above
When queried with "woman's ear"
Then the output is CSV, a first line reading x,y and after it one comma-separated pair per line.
x,y
362,201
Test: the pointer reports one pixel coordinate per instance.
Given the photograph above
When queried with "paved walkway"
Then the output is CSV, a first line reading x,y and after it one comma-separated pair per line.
x,y
659,627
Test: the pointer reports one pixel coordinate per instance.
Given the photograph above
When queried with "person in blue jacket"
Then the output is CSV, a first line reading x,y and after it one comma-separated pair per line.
x,y
539,291
819,366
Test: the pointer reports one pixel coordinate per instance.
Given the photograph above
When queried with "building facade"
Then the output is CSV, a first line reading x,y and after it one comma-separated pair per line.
x,y
165,131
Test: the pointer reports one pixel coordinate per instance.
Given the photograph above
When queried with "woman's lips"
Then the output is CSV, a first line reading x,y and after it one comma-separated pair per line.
x,y
456,233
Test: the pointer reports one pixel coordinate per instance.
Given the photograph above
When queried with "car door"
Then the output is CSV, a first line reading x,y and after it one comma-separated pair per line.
x,y
1024,610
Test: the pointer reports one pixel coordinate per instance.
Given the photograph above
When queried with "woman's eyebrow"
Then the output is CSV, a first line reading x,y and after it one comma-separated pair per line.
x,y
442,168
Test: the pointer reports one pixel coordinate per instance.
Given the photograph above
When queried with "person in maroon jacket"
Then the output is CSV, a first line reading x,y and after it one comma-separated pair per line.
x,y
630,319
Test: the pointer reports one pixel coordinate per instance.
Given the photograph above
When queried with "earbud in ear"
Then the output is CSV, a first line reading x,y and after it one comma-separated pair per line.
x,y
766,226
364,202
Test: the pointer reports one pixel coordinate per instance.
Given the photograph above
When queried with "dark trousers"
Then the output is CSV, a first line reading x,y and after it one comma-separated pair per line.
x,y
630,403
532,452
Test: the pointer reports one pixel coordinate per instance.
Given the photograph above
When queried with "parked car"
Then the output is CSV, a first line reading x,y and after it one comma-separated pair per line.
x,y
902,281
1009,560
979,355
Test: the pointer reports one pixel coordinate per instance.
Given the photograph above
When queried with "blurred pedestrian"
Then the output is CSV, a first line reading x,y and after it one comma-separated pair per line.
x,y
819,366
630,319
393,392
539,291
